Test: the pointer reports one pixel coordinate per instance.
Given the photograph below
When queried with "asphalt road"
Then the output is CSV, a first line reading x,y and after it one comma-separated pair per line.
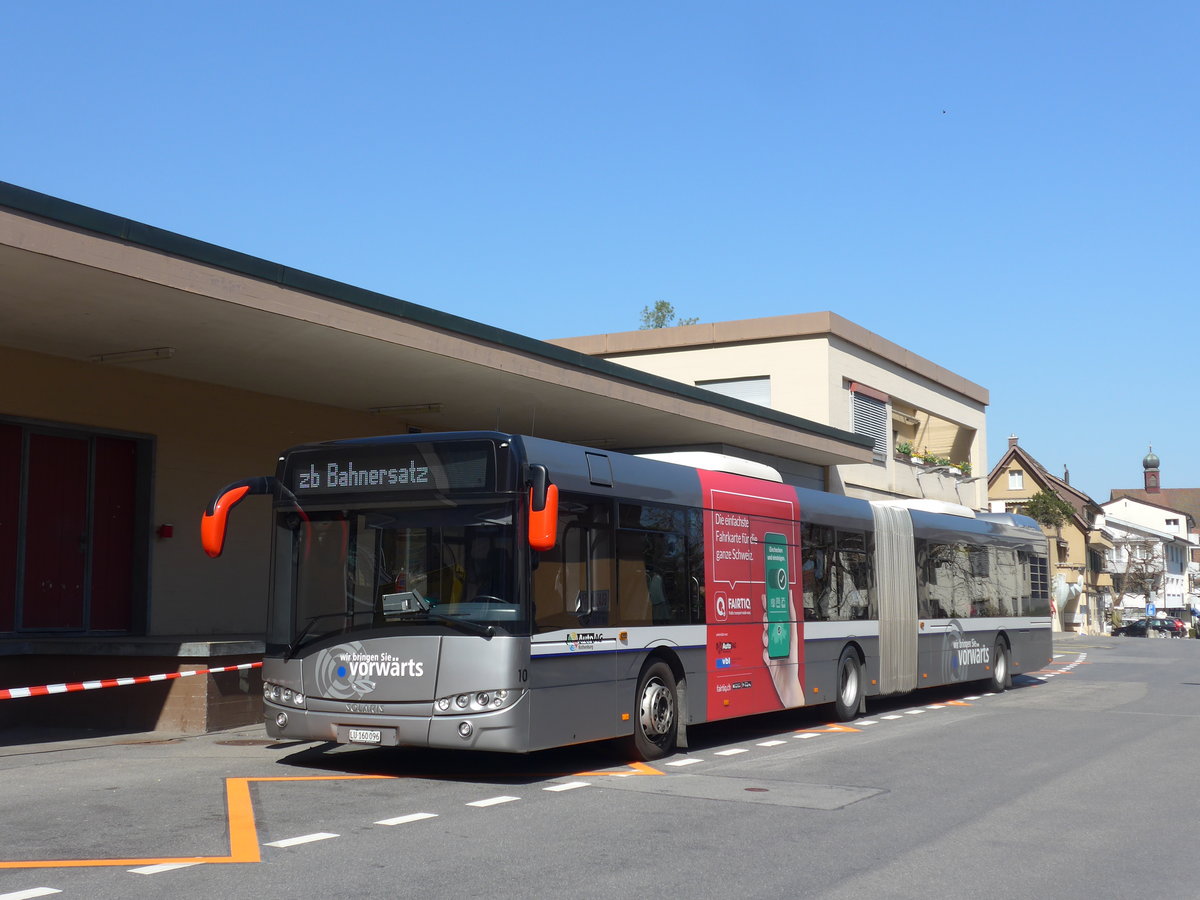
x,y
1077,783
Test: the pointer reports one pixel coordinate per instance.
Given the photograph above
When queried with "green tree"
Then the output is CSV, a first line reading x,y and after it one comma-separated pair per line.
x,y
662,315
1047,508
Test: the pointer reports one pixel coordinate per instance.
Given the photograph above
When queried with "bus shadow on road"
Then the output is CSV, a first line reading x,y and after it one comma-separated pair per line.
x,y
460,765
601,758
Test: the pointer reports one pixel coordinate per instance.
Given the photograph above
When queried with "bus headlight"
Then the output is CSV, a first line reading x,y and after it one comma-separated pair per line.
x,y
282,696
476,701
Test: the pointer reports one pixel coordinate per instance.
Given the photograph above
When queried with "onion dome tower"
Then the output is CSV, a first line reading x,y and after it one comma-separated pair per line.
x,y
1151,475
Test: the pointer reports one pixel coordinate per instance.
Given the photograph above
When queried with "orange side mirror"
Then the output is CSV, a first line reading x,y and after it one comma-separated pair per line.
x,y
543,523
212,525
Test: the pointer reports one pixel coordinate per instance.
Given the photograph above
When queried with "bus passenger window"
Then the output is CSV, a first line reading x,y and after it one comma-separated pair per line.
x,y
652,579
816,546
1007,582
926,576
982,589
856,594
654,586
695,565
945,585
572,582
1037,602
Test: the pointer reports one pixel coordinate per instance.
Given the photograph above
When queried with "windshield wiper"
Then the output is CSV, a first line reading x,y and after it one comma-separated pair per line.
x,y
463,624
428,615
313,620
411,603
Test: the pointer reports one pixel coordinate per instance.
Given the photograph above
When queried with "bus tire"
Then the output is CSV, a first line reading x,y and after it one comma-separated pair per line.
x,y
848,698
998,680
656,716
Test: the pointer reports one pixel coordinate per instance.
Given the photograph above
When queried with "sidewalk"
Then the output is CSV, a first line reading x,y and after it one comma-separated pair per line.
x,y
24,740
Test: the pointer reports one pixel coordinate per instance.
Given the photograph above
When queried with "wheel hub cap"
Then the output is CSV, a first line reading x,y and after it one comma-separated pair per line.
x,y
657,712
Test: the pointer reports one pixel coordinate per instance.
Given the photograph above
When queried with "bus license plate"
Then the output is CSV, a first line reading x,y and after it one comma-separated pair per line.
x,y
365,736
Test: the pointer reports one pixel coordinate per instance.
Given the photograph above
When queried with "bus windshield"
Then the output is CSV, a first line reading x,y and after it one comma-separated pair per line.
x,y
402,567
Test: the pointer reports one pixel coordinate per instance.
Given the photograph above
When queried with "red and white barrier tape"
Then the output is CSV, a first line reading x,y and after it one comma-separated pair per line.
x,y
42,690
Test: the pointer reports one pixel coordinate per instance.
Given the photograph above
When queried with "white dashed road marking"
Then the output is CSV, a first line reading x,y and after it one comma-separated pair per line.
x,y
493,801
404,820
161,867
303,839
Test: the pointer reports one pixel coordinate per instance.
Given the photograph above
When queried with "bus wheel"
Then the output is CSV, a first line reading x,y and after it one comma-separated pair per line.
x,y
849,685
999,678
657,721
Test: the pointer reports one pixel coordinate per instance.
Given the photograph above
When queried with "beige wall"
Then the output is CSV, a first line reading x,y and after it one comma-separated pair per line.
x,y
808,378
190,594
795,368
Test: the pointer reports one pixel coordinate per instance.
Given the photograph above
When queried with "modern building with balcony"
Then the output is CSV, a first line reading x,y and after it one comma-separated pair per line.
x,y
827,369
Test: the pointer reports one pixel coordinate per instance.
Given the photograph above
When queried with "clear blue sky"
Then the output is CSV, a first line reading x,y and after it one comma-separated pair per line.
x,y
1008,189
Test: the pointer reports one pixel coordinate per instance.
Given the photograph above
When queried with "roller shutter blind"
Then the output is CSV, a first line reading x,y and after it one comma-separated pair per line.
x,y
752,390
870,418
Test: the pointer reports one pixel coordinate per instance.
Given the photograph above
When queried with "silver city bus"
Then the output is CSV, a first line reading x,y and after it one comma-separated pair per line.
x,y
499,592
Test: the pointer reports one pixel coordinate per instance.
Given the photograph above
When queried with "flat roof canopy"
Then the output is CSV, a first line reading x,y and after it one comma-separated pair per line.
x,y
80,284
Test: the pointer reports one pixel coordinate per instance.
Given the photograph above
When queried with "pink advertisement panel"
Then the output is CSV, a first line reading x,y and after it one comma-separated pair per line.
x,y
752,561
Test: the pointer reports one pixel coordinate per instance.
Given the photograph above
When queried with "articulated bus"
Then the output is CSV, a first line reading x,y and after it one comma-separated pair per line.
x,y
497,592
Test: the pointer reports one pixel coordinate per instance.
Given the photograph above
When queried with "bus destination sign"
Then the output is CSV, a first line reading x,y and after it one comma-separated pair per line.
x,y
343,475
400,468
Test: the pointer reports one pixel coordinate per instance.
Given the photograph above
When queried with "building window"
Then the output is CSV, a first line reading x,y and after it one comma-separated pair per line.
x,y
1016,480
755,390
869,416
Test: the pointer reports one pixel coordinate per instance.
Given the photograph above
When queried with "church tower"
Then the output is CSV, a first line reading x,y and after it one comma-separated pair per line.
x,y
1150,467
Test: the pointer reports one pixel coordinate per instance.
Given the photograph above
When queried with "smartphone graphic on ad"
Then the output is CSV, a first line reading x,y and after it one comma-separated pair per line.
x,y
779,629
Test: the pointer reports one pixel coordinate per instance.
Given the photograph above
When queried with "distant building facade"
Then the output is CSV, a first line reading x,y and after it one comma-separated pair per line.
x,y
928,424
1082,589
1159,523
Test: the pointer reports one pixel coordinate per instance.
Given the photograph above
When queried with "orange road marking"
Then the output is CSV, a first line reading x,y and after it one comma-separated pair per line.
x,y
243,833
639,767
827,729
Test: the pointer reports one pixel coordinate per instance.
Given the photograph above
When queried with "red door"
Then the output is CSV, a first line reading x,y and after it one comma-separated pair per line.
x,y
10,511
114,518
56,533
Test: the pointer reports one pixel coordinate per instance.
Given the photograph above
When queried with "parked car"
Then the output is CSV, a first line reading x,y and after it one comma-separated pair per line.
x,y
1142,627
1136,628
